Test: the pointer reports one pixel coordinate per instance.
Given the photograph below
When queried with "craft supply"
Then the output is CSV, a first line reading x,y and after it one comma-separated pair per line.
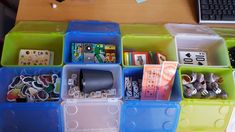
x,y
91,84
93,53
142,58
193,58
35,57
34,88
204,86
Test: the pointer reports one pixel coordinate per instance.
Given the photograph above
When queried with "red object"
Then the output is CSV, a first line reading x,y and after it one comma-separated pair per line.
x,y
138,56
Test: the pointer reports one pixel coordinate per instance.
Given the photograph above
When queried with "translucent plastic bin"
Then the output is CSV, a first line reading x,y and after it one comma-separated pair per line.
x,y
151,116
28,117
228,34
92,32
207,114
34,35
40,27
97,116
200,38
145,38
68,70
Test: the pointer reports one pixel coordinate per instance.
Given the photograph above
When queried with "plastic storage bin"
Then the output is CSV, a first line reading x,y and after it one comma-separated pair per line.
x,y
92,115
92,32
207,114
69,69
34,35
144,38
228,34
97,116
28,117
200,39
151,116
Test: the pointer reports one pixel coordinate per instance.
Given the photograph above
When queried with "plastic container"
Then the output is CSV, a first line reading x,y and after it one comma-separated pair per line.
x,y
200,38
40,27
34,35
151,116
28,117
145,38
92,32
68,70
97,116
228,34
207,114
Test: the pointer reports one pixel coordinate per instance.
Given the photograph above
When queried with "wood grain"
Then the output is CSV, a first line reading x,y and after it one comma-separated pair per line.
x,y
121,11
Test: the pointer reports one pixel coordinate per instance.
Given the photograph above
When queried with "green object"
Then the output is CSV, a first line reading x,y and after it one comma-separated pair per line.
x,y
36,36
50,88
145,38
207,114
57,86
228,34
40,27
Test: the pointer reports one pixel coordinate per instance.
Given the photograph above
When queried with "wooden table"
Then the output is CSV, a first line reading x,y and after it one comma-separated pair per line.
x,y
121,11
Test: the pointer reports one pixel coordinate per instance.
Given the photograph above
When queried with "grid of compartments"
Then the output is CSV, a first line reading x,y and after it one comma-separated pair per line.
x,y
115,112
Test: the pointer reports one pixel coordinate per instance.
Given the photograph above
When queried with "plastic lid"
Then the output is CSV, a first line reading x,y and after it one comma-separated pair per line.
x,y
225,32
149,116
143,29
90,116
93,27
188,29
40,27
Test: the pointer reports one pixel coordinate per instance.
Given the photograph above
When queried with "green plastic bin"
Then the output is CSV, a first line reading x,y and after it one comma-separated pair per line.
x,y
207,115
144,38
229,36
37,35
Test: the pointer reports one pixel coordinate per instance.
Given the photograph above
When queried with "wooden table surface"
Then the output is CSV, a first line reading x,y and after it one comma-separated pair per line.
x,y
121,11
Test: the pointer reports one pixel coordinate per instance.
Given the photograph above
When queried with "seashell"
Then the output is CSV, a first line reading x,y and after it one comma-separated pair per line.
x,y
200,77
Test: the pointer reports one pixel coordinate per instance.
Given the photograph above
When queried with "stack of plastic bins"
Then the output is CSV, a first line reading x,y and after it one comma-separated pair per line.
x,y
98,114
229,35
152,115
204,114
30,117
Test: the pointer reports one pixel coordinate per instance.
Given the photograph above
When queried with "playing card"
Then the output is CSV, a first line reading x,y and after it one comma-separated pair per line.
x,y
193,58
34,57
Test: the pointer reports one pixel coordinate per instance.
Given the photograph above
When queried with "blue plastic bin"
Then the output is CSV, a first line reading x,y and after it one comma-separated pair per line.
x,y
28,117
151,116
92,32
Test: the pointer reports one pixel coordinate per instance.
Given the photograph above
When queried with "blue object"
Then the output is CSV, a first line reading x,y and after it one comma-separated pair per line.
x,y
151,116
28,117
92,32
